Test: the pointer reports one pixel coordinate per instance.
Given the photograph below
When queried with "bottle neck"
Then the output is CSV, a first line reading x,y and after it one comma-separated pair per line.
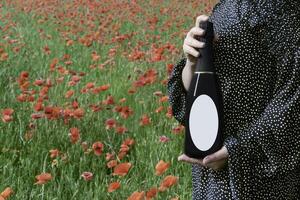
x,y
205,60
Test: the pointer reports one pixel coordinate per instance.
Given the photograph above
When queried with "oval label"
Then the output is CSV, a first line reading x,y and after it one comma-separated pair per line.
x,y
204,122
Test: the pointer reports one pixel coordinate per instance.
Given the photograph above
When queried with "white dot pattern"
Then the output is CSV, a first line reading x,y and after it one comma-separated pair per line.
x,y
257,60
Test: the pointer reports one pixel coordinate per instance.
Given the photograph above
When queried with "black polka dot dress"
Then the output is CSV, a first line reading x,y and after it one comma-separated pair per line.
x,y
257,60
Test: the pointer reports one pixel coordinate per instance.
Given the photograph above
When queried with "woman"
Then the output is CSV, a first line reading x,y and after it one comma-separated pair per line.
x,y
257,60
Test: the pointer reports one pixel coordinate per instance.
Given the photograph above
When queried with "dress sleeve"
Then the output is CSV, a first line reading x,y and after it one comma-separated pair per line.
x,y
176,91
270,145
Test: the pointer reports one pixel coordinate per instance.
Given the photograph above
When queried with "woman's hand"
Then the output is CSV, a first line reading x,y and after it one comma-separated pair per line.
x,y
216,161
190,43
191,47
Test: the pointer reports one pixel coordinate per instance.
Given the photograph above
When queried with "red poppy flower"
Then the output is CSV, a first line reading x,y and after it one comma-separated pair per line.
x,y
145,120
74,135
54,153
167,182
98,148
6,193
87,176
151,193
112,163
113,186
164,138
43,178
110,123
161,167
137,196
122,169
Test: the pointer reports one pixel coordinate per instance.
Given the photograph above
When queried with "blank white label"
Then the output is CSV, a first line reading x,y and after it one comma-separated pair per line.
x,y
204,122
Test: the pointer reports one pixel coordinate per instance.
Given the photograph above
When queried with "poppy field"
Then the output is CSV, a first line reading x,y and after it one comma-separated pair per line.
x,y
84,111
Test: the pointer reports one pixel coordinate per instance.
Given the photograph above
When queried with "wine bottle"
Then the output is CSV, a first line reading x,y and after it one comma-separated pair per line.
x,y
204,113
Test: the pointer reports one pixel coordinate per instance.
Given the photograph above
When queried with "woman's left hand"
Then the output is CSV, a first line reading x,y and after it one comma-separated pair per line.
x,y
216,161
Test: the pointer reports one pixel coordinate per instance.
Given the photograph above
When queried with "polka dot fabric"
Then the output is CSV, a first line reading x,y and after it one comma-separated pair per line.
x,y
257,60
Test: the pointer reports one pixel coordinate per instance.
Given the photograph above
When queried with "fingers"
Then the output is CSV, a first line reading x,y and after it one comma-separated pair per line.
x,y
205,18
195,31
200,19
190,50
185,158
190,43
219,155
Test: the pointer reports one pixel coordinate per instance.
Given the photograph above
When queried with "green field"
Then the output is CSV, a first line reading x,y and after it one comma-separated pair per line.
x,y
100,67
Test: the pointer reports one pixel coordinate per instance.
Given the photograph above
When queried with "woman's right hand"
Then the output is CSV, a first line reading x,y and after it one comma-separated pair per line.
x,y
190,43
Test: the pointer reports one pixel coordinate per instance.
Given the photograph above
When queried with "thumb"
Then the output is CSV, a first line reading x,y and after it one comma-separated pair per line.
x,y
218,155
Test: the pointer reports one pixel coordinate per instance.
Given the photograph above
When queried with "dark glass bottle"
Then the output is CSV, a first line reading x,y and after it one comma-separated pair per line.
x,y
204,117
